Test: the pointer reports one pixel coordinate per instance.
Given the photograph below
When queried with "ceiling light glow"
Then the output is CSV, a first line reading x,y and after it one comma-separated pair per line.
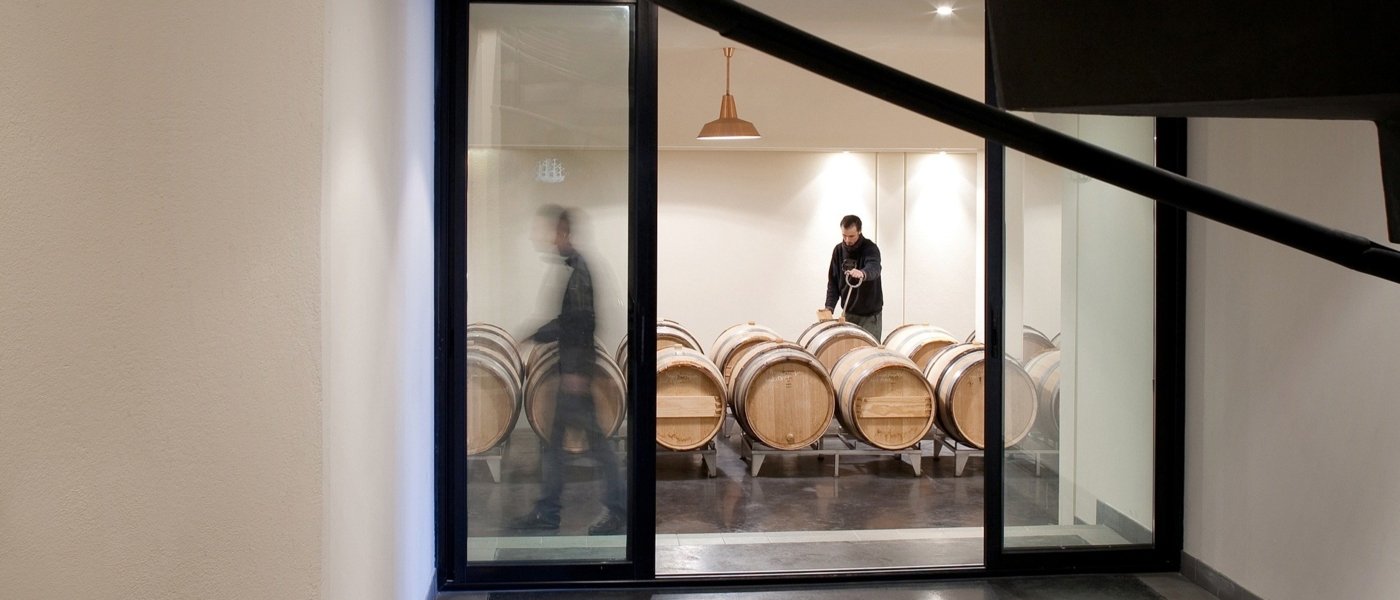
x,y
945,11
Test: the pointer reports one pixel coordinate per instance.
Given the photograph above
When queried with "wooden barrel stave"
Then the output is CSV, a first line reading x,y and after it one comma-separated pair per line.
x,y
883,398
1033,344
690,398
734,342
541,389
919,342
670,333
832,339
492,400
957,375
1044,370
782,396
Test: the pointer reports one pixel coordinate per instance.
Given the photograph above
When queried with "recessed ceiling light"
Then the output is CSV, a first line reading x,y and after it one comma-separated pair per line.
x,y
945,11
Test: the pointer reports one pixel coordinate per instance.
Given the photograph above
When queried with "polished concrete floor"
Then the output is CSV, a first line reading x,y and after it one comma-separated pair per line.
x,y
799,513
1081,587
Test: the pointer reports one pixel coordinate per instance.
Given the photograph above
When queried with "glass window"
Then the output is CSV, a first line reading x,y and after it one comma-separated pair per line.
x,y
1080,296
547,271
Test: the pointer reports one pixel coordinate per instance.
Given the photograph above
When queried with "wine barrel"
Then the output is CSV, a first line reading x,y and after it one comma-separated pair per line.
x,y
736,341
621,356
493,398
782,396
690,398
882,398
535,351
498,339
919,342
542,386
1044,370
831,339
668,334
1033,344
957,375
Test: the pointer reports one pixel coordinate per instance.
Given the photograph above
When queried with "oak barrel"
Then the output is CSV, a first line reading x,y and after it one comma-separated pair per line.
x,y
1044,370
882,398
782,396
493,397
957,375
690,398
668,334
831,339
1033,344
735,341
535,351
542,386
492,336
919,342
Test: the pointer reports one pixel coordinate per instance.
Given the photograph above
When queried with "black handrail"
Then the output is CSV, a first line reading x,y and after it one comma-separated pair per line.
x,y
761,32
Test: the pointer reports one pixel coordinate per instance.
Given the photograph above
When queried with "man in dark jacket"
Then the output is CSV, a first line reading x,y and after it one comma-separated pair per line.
x,y
853,278
574,408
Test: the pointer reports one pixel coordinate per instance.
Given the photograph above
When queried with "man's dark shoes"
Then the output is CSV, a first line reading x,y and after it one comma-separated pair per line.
x,y
534,521
609,524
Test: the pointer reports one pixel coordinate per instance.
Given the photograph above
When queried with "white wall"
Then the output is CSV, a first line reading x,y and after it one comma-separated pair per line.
x,y
1080,261
513,283
747,236
943,236
1291,361
160,358
377,301
1109,353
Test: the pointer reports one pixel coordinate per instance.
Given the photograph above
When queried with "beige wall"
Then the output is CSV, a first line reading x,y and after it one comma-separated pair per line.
x,y
1291,388
160,426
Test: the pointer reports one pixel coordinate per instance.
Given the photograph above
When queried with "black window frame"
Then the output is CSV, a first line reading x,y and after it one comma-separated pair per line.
x,y
453,572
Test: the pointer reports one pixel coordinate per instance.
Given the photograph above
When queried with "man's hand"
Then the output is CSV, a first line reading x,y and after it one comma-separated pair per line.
x,y
857,273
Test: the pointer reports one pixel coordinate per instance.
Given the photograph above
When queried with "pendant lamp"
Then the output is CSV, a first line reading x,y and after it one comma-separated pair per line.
x,y
728,126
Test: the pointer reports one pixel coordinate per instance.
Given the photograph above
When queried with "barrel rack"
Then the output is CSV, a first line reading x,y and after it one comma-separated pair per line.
x,y
834,444
492,458
961,453
709,455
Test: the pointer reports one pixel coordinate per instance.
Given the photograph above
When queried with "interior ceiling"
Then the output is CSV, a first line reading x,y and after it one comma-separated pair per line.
x,y
855,24
538,50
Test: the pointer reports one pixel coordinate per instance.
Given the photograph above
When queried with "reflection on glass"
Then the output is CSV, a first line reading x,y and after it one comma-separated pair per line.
x,y
547,200
1080,298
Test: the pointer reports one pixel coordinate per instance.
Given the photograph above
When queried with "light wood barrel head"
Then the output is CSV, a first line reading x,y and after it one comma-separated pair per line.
x,y
690,399
541,395
493,399
1033,344
1044,370
959,375
1020,407
883,398
782,395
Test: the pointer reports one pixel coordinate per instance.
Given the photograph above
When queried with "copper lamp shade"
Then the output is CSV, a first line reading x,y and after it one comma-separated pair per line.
x,y
728,126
